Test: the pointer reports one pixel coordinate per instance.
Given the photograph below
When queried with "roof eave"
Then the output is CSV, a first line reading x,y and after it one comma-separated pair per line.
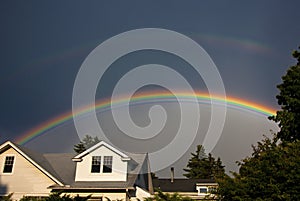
x,y
89,188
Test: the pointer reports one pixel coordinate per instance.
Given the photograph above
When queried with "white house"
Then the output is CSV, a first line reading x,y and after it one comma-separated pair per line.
x,y
102,171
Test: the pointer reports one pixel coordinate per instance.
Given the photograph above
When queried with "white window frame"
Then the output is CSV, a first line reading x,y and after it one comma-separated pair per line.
x,y
202,187
13,165
105,164
101,165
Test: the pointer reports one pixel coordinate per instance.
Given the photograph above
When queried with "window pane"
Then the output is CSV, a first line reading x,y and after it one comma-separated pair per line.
x,y
107,164
203,190
96,164
8,165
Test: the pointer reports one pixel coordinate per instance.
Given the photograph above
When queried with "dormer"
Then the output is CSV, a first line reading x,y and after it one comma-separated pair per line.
x,y
101,162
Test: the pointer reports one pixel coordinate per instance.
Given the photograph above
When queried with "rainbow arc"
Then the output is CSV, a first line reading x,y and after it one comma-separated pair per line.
x,y
158,96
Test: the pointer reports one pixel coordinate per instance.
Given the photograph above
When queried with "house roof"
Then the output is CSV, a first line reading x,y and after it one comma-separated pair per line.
x,y
179,185
99,144
62,165
60,168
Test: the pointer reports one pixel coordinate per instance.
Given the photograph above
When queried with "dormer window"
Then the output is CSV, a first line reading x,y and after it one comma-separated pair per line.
x,y
107,164
105,168
96,164
8,164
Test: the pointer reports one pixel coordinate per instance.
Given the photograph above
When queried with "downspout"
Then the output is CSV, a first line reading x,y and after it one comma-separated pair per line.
x,y
150,184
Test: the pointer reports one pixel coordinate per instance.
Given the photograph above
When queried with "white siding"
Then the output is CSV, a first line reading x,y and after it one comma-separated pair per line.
x,y
119,167
25,178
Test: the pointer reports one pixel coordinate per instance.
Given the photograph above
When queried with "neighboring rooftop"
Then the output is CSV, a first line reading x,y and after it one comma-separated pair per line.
x,y
179,185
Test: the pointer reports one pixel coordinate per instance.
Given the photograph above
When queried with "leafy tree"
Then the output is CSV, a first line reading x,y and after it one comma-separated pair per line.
x,y
108,199
58,197
160,196
201,166
78,198
289,100
272,172
27,198
7,197
87,142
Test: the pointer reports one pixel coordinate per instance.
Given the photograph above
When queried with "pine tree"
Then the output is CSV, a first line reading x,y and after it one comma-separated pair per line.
x,y
194,167
87,142
79,148
201,166
218,169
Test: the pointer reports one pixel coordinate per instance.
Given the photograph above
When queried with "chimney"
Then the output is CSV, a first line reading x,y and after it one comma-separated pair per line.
x,y
172,174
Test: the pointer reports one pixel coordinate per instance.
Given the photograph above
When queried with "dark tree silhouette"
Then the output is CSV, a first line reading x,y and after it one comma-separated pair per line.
x,y
87,142
289,100
201,166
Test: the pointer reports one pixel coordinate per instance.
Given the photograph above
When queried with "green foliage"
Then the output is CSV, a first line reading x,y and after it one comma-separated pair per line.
x,y
79,148
86,143
26,198
153,175
7,197
288,117
201,166
108,199
271,173
78,198
160,196
57,197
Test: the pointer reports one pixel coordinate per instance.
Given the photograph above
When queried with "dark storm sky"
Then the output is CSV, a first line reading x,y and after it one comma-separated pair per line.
x,y
43,44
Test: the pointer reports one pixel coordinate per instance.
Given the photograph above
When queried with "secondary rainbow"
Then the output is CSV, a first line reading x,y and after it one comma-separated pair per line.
x,y
140,98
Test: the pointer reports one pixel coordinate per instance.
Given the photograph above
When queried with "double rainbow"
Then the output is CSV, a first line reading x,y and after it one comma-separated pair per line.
x,y
144,97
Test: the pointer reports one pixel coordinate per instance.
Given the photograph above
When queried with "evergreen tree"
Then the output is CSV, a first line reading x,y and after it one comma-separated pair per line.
x,y
201,166
218,168
193,168
79,148
87,142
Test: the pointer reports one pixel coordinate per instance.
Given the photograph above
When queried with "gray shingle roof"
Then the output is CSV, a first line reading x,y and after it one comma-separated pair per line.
x,y
63,165
179,185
